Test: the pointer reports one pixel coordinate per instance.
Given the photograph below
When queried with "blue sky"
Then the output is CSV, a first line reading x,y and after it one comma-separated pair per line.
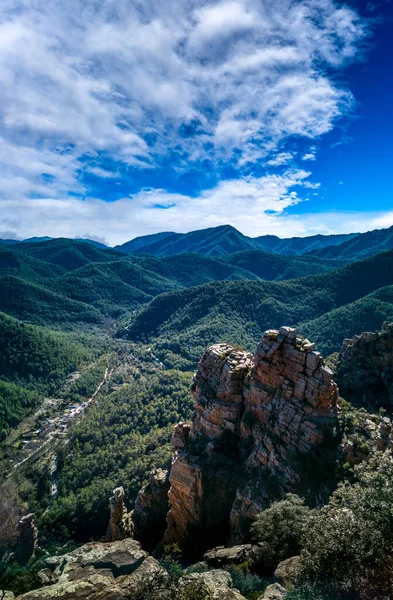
x,y
129,117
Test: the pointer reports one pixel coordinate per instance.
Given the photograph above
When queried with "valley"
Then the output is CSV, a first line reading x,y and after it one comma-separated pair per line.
x,y
100,348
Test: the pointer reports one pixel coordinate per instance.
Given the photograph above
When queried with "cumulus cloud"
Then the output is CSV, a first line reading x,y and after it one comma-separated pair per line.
x,y
147,83
253,205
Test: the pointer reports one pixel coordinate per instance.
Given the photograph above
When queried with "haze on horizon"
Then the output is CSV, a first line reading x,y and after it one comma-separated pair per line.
x,y
132,118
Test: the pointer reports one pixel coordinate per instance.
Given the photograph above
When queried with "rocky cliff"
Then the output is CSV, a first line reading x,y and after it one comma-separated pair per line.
x,y
254,416
365,368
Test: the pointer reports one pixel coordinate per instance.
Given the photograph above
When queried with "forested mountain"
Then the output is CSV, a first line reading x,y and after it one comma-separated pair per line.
x,y
214,241
146,240
301,245
185,322
361,246
68,254
269,266
59,281
225,239
38,240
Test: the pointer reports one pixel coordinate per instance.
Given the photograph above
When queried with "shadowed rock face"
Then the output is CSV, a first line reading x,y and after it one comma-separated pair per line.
x,y
253,415
27,539
151,508
365,368
120,524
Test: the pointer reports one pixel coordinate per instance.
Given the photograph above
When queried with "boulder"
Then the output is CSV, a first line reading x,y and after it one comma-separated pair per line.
x,y
105,571
214,585
218,557
287,571
275,591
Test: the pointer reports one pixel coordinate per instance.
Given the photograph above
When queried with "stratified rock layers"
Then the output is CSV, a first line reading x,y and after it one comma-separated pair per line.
x,y
253,416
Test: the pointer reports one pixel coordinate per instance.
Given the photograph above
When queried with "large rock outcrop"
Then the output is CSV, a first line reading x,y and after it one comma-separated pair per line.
x,y
111,571
123,571
365,368
254,416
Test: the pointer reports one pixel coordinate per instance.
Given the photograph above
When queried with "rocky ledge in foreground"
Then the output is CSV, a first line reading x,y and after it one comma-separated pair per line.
x,y
123,571
254,416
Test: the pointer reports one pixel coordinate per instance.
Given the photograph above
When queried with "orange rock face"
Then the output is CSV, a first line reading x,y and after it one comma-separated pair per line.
x,y
253,415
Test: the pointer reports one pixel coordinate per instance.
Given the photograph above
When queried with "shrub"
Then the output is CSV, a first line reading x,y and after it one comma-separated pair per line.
x,y
278,531
347,544
249,584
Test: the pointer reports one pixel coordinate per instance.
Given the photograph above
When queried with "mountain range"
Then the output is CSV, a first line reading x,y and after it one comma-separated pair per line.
x,y
226,240
80,321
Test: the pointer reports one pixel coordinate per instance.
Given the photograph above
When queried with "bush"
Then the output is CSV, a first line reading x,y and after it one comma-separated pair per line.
x,y
347,544
249,584
278,531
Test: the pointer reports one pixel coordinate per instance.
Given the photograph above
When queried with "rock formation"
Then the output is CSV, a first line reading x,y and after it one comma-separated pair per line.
x,y
151,508
27,539
253,417
120,524
365,368
123,571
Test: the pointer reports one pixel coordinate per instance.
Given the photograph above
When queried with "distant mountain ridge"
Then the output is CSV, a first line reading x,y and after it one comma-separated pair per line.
x,y
360,246
38,240
224,240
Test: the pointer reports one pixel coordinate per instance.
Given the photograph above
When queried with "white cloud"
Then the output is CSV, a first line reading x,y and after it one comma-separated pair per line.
x,y
310,154
256,206
121,77
248,203
280,159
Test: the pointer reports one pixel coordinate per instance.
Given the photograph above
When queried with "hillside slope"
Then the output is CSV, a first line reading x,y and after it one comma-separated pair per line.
x,y
34,360
68,254
37,304
189,320
269,266
361,246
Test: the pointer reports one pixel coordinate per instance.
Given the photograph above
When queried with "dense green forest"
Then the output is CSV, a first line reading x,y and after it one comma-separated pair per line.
x,y
37,355
183,323
34,361
71,306
122,438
